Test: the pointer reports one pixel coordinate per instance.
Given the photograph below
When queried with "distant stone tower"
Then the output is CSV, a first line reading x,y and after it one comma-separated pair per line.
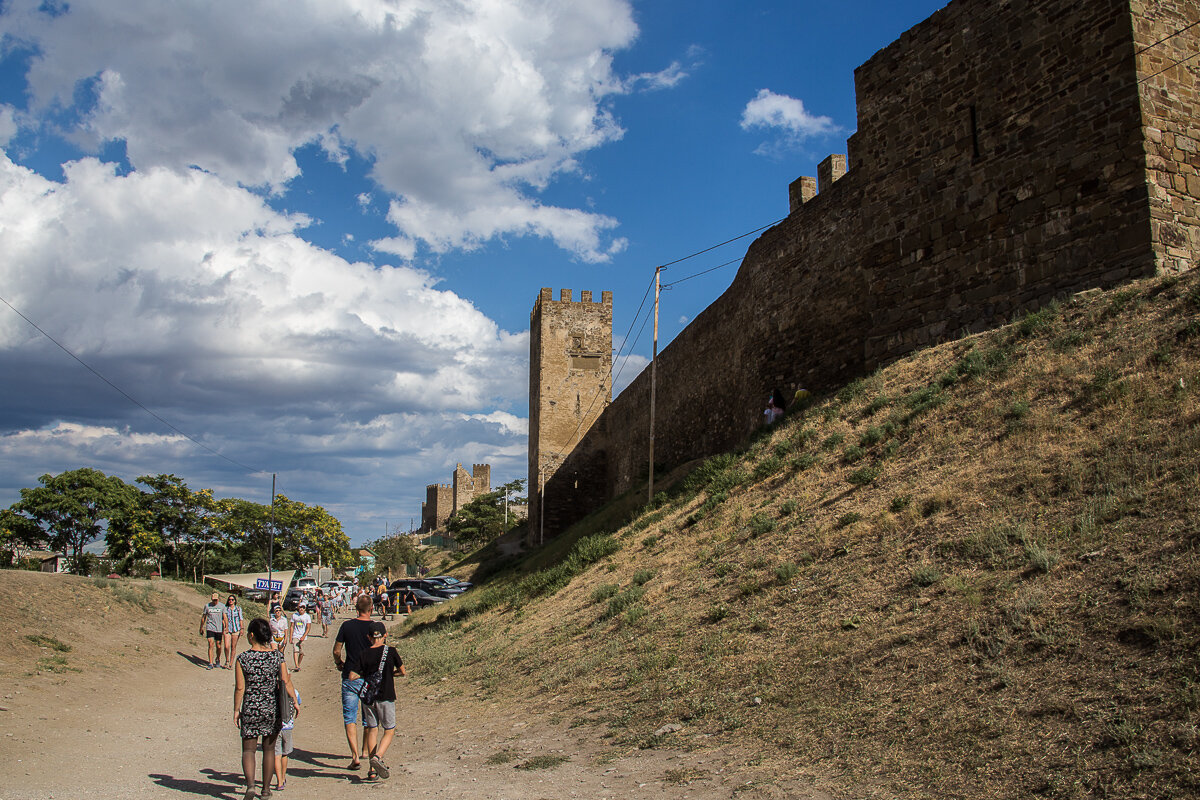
x,y
570,369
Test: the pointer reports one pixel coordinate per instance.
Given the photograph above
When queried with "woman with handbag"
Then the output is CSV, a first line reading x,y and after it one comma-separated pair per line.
x,y
262,681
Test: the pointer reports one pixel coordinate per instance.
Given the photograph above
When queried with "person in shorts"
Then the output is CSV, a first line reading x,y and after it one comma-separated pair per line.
x,y
284,744
354,636
300,624
382,712
212,627
279,629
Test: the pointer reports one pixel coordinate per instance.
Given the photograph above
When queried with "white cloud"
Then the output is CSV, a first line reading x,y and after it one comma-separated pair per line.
x,y
785,115
466,110
8,125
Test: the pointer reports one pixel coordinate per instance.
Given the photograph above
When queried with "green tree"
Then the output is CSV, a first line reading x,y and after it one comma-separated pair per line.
x,y
482,520
396,552
306,534
73,508
17,531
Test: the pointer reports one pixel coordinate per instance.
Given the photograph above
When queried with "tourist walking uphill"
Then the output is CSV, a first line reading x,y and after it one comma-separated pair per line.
x,y
378,667
233,629
212,627
354,636
256,704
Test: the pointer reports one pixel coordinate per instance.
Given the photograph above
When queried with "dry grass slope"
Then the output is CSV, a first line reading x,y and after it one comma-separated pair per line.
x,y
971,574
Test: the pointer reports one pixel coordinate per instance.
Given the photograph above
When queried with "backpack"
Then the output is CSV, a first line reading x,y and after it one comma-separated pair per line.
x,y
369,692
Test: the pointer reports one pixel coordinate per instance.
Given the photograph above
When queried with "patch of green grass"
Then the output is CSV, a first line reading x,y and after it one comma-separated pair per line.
x,y
767,467
760,523
623,601
853,453
899,503
48,642
55,663
604,591
864,476
649,541
848,519
785,572
505,756
803,461
642,577
543,762
718,612
878,404
833,440
788,507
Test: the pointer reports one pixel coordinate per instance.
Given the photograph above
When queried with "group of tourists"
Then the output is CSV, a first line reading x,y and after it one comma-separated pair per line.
x,y
266,702
222,627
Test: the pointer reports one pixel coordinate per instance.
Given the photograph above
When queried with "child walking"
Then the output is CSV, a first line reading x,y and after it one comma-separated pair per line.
x,y
382,712
284,744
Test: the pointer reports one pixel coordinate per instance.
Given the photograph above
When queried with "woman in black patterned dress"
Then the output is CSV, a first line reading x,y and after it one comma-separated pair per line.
x,y
255,709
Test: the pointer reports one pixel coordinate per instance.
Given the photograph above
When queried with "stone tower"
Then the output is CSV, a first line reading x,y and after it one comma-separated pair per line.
x,y
570,371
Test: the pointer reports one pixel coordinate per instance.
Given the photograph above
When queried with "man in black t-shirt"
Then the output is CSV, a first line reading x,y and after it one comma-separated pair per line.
x,y
355,636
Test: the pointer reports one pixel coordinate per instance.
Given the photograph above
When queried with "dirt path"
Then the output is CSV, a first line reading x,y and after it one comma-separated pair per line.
x,y
143,718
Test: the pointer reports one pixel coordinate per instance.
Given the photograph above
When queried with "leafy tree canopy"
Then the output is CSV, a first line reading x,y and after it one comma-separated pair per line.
x,y
74,507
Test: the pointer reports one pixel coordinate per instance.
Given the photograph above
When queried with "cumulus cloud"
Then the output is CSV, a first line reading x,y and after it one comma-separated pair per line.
x,y
465,110
203,303
787,117
8,125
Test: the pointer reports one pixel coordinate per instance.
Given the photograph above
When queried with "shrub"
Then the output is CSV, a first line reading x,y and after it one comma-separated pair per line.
x,y
832,440
873,435
878,404
848,519
767,467
785,572
1040,559
788,507
803,461
760,523
925,576
642,576
650,541
853,453
718,612
899,503
864,475
604,591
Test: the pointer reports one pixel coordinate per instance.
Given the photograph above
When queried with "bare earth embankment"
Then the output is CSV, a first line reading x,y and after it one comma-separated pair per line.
x,y
130,712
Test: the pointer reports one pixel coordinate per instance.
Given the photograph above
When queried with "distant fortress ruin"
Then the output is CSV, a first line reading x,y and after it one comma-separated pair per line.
x,y
443,499
1008,152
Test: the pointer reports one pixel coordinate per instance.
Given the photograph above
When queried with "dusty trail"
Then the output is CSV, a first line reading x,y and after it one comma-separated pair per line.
x,y
144,719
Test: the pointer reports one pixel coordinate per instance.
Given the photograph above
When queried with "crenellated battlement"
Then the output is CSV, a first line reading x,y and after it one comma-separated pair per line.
x,y
564,296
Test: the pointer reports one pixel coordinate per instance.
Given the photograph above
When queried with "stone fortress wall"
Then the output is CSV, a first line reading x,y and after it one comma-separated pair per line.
x,y
1008,152
443,499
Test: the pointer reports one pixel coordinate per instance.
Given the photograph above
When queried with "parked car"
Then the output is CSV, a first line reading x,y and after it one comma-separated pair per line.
x,y
424,598
335,585
451,582
294,597
430,587
305,583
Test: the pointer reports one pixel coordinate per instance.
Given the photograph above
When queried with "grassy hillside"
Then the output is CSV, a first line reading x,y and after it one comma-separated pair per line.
x,y
971,574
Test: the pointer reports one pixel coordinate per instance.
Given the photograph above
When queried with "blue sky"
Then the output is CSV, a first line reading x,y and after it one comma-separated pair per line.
x,y
310,237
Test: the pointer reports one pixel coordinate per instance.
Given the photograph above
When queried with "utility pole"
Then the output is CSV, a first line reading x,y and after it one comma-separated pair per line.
x,y
271,546
653,387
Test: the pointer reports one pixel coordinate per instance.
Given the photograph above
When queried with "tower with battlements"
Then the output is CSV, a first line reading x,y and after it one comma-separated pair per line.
x,y
570,371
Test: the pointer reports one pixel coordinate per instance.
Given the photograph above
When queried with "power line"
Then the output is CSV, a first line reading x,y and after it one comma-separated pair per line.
x,y
704,272
1172,65
125,394
1165,38
722,244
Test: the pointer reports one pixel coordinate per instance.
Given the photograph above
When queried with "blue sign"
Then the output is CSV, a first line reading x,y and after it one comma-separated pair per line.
x,y
360,569
268,586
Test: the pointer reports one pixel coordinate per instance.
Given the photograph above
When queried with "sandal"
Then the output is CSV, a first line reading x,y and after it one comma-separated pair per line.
x,y
354,765
371,775
279,788
249,795
379,767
